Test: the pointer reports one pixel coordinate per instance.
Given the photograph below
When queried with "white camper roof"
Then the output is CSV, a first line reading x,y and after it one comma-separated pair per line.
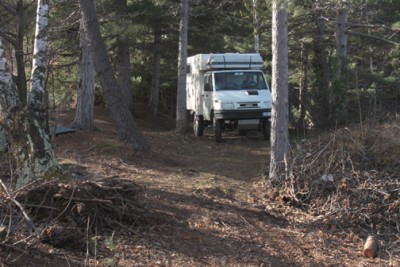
x,y
227,61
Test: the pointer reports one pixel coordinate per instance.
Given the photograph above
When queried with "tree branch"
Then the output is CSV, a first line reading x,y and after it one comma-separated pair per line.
x,y
11,9
24,213
374,37
8,37
373,26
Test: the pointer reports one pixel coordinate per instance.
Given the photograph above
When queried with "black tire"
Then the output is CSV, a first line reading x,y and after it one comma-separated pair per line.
x,y
217,130
242,132
266,129
198,125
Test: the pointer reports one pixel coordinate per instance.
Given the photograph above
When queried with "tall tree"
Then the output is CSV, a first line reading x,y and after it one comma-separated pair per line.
x,y
256,25
322,88
85,99
123,54
26,129
38,98
280,107
340,82
17,9
127,128
155,81
22,131
303,94
181,116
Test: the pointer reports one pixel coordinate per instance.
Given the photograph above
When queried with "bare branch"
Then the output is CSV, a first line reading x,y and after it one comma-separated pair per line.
x,y
11,9
374,37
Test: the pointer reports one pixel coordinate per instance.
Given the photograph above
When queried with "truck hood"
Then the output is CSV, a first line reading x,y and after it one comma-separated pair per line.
x,y
244,96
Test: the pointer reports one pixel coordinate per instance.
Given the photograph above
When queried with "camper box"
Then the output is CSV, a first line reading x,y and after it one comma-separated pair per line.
x,y
216,93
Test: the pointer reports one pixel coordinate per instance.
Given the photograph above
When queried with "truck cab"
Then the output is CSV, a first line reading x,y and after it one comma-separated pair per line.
x,y
228,91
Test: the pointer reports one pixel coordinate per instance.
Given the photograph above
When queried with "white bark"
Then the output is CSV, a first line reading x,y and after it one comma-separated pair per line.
x,y
280,107
37,97
181,117
28,141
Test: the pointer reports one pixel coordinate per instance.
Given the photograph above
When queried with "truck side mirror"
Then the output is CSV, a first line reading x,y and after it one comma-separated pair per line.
x,y
207,87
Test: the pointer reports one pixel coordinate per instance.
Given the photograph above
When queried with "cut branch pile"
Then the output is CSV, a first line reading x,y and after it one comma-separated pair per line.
x,y
65,214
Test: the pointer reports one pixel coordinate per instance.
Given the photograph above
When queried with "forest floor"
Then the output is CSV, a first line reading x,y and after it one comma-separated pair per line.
x,y
188,203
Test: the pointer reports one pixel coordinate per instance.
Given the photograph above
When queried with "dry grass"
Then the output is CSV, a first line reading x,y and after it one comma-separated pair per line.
x,y
350,179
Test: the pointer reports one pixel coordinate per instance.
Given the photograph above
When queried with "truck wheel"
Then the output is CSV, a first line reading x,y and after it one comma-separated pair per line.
x,y
266,129
242,132
198,125
217,130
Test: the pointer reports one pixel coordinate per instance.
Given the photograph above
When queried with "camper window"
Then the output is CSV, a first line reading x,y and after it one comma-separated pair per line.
x,y
207,83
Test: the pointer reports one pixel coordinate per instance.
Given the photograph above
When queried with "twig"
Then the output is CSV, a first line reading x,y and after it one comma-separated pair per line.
x,y
87,241
85,199
28,219
247,222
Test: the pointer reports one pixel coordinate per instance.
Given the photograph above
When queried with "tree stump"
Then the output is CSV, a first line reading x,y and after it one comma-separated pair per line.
x,y
370,247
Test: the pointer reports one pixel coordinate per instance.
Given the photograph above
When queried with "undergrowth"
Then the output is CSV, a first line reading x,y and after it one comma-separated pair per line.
x,y
349,178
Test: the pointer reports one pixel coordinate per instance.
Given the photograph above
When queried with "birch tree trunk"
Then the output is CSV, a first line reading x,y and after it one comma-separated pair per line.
x,y
155,81
17,8
280,107
38,159
126,126
37,100
28,141
181,116
85,102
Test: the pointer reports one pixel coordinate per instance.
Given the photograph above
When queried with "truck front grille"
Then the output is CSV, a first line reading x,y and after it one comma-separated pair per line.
x,y
249,105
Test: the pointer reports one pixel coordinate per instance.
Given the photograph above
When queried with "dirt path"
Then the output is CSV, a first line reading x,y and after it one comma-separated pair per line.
x,y
205,204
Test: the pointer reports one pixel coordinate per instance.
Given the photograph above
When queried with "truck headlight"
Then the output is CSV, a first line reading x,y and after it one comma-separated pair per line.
x,y
267,104
266,114
227,105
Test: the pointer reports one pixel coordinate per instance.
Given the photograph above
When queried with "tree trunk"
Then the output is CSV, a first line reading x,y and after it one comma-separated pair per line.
x,y
181,116
17,41
85,102
19,54
256,27
322,112
123,66
3,137
340,82
155,82
39,159
280,107
301,126
341,38
28,141
127,129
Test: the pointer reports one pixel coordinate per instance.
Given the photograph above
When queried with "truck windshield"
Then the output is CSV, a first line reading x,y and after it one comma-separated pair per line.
x,y
239,80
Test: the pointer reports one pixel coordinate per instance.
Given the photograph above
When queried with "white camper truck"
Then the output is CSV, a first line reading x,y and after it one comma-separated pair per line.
x,y
228,91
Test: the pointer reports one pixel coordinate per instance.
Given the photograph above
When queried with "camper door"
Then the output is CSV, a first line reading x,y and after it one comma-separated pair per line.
x,y
207,96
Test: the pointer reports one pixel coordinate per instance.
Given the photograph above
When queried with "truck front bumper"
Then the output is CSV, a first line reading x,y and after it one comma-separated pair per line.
x,y
243,114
